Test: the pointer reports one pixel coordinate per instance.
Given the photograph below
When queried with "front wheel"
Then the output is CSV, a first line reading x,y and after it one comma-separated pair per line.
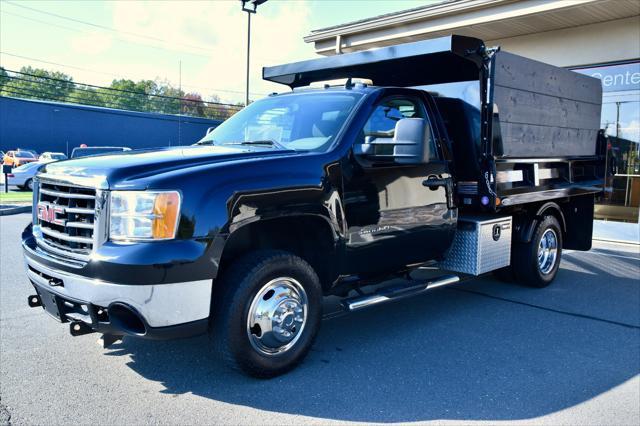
x,y
267,311
536,263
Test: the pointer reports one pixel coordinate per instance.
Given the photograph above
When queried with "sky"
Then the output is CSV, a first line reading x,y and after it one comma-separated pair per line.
x,y
200,44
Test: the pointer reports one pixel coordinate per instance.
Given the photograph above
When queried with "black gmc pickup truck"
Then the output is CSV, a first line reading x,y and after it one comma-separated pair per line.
x,y
451,153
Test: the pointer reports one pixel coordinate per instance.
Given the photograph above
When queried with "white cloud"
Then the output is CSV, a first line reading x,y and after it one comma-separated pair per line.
x,y
630,130
150,38
94,43
212,37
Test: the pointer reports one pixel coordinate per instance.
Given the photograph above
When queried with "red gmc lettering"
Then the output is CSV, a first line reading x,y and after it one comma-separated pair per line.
x,y
49,213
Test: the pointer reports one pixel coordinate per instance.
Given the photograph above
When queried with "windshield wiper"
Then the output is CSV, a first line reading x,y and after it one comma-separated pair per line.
x,y
269,142
256,142
262,142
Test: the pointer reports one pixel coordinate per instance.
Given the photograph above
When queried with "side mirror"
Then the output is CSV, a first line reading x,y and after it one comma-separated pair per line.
x,y
210,129
409,144
411,141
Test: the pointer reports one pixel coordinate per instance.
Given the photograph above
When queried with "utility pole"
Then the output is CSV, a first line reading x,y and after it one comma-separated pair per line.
x,y
179,103
251,7
246,97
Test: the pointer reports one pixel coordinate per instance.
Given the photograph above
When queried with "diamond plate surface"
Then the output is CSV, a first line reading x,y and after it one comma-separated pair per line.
x,y
474,251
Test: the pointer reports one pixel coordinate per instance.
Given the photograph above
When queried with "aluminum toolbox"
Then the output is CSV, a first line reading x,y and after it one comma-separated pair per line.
x,y
481,245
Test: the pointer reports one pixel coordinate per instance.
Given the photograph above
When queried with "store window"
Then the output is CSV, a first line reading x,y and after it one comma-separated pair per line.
x,y
621,120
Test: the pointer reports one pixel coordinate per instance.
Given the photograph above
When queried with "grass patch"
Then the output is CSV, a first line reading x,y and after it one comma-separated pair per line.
x,y
15,197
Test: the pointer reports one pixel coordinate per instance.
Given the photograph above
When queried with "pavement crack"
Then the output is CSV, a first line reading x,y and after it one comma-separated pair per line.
x,y
5,415
544,308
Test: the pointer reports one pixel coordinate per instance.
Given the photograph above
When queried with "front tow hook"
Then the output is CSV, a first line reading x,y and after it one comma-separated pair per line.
x,y
34,301
78,328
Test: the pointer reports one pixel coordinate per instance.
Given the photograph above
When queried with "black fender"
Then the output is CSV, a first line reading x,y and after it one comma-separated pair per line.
x,y
310,236
556,210
525,224
320,206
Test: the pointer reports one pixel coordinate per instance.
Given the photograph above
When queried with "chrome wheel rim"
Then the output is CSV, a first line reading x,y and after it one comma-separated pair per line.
x,y
547,251
277,316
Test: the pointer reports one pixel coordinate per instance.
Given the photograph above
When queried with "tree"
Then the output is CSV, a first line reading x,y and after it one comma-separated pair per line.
x,y
145,95
218,111
192,104
166,100
38,83
87,96
4,77
126,95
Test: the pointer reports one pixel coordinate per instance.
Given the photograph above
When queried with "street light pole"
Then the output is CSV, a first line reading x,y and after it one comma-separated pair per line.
x,y
246,98
249,6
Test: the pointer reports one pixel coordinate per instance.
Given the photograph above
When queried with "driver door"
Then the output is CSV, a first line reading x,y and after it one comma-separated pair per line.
x,y
393,219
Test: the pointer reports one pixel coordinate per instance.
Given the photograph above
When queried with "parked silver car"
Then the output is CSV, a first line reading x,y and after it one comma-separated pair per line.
x,y
23,176
52,156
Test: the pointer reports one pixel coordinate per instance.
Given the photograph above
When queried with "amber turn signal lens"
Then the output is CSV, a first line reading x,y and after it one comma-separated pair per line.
x,y
165,210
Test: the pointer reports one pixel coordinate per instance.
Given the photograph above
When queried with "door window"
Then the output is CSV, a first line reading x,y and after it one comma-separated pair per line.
x,y
382,122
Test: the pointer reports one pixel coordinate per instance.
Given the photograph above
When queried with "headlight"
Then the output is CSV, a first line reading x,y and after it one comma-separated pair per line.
x,y
144,215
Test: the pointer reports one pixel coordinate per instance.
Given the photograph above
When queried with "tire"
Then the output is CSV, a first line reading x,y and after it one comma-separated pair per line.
x,y
28,185
533,265
260,281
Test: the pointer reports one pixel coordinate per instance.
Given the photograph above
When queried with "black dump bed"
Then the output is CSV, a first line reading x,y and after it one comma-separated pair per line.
x,y
463,123
534,135
543,110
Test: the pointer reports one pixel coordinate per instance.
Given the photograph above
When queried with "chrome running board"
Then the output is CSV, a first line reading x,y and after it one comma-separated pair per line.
x,y
392,293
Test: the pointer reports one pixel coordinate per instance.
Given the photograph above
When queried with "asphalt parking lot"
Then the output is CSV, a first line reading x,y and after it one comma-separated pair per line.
x,y
481,352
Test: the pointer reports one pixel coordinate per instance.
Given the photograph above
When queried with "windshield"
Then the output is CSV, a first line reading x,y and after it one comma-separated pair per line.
x,y
301,121
24,154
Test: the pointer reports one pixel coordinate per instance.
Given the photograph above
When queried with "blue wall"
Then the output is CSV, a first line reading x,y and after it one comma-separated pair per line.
x,y
60,127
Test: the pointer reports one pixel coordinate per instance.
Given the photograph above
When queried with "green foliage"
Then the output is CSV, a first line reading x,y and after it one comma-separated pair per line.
x,y
40,84
4,77
144,95
126,96
87,96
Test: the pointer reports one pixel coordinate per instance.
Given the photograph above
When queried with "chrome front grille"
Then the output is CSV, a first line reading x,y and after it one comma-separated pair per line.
x,y
66,218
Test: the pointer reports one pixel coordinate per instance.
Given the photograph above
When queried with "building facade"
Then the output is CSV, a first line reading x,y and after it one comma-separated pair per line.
x,y
600,38
60,127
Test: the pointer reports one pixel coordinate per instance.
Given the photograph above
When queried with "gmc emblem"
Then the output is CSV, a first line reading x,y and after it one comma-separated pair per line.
x,y
49,213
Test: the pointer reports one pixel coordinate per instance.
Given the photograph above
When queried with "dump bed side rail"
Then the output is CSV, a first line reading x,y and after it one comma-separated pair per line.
x,y
528,180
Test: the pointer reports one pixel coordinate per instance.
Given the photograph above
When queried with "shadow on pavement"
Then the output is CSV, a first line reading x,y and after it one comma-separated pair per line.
x,y
446,355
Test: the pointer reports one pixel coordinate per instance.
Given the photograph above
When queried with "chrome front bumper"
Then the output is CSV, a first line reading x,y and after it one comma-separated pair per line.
x,y
161,305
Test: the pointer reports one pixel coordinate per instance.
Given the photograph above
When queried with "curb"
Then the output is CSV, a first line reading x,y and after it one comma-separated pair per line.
x,y
612,240
15,210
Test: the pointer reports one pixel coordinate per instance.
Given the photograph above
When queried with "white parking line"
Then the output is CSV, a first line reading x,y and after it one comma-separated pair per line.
x,y
600,254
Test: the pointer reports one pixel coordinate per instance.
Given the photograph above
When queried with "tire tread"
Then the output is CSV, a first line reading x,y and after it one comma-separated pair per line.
x,y
524,256
227,293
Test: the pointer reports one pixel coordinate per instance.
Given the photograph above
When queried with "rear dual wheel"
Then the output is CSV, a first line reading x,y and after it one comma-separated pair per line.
x,y
536,263
267,311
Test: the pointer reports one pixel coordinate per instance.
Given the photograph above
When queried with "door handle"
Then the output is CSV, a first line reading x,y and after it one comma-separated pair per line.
x,y
434,183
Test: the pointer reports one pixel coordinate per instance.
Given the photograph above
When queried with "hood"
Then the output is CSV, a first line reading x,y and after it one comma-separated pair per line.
x,y
104,170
